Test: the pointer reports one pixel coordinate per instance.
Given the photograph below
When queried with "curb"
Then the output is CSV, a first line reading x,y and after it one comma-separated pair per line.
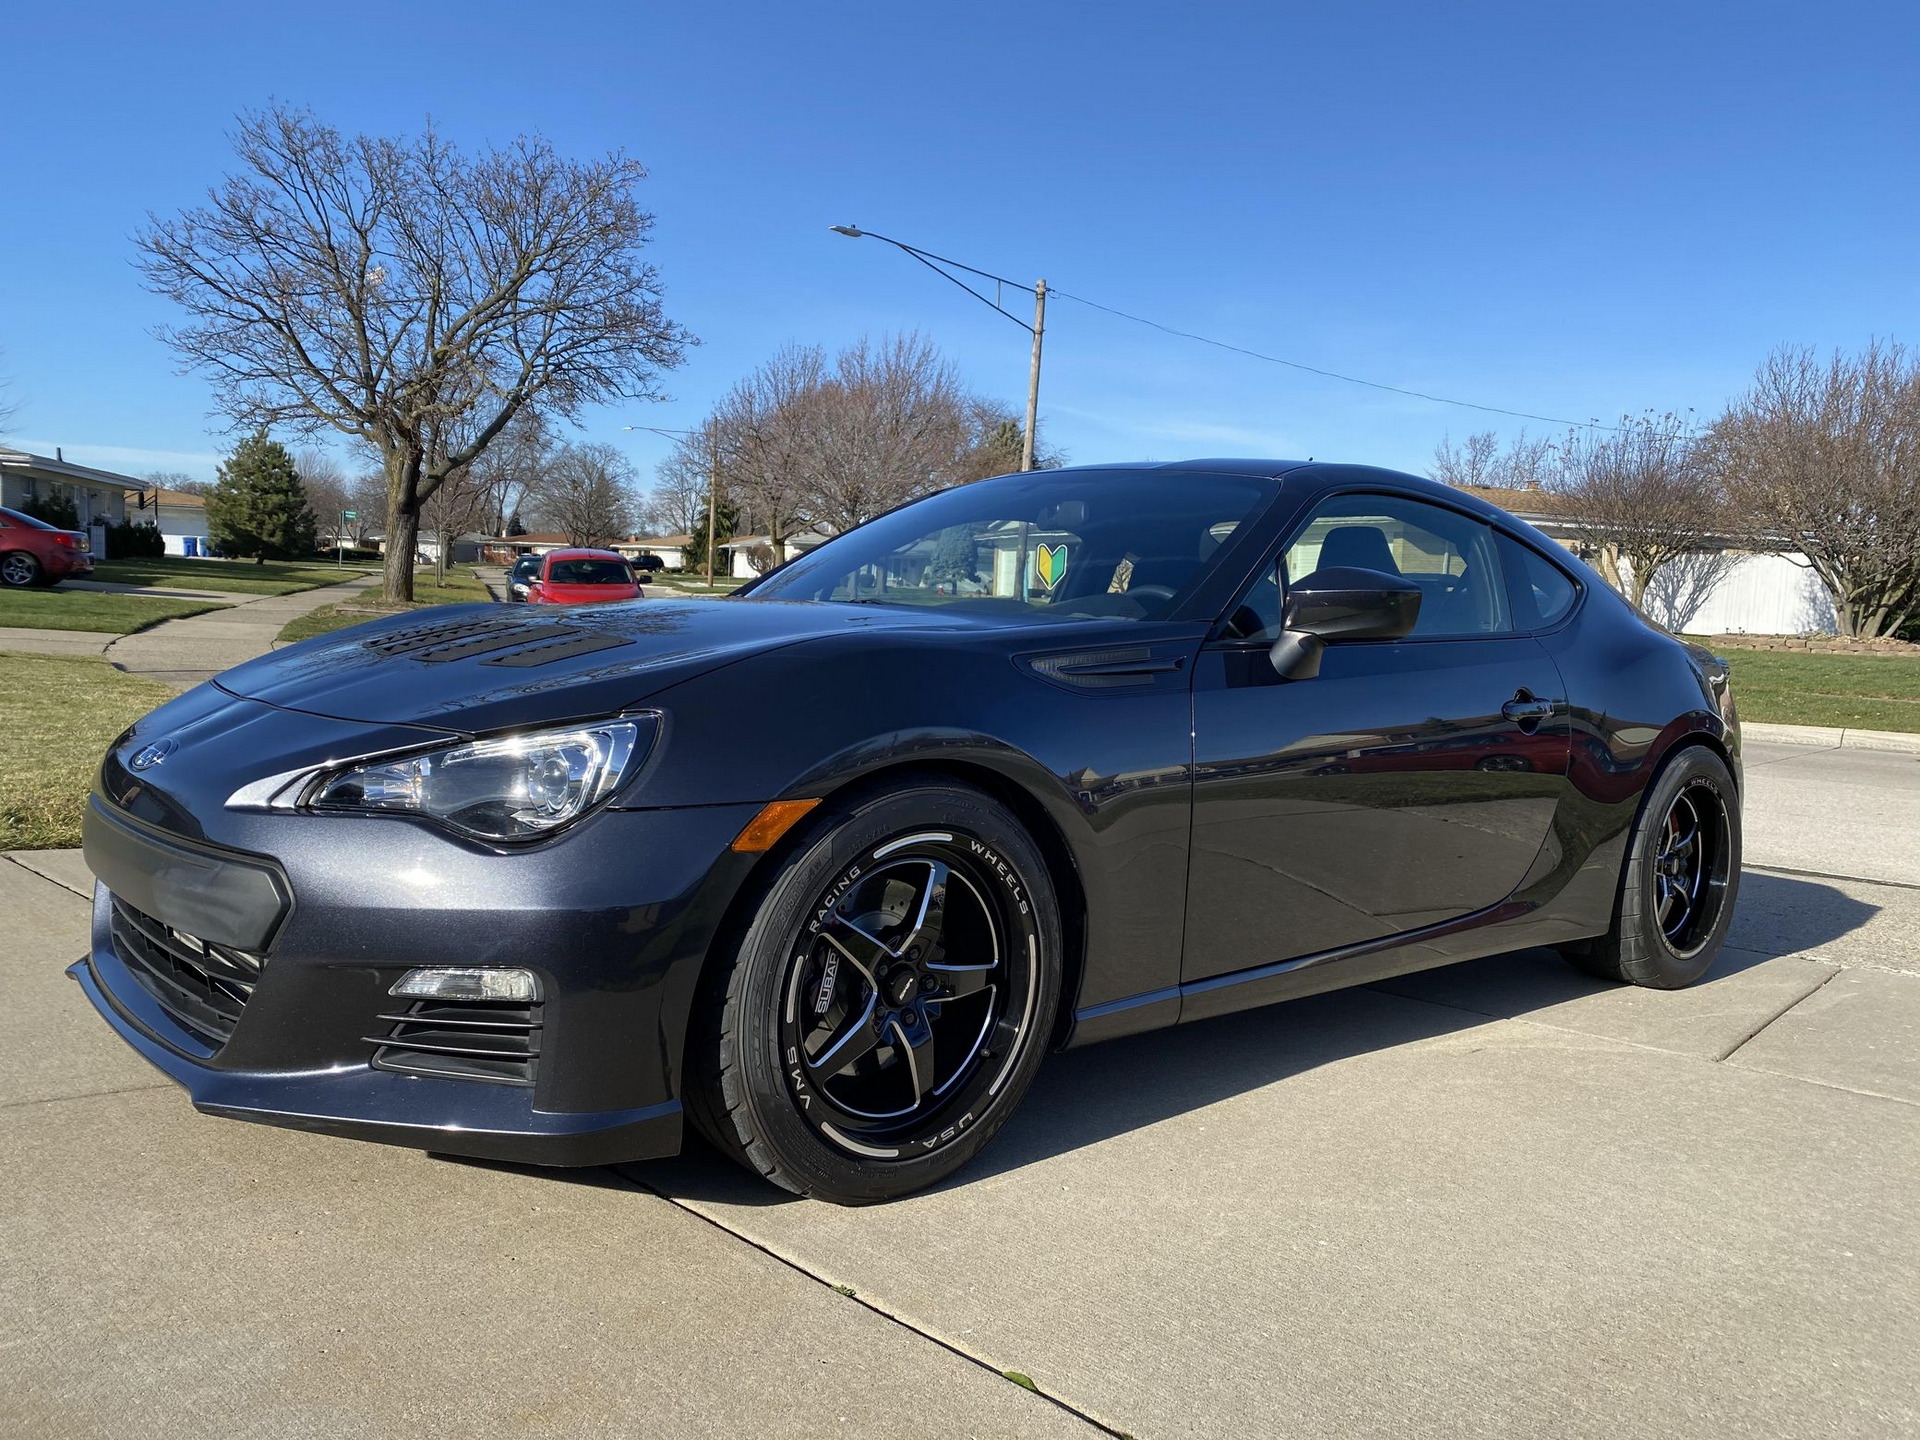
x,y
1831,737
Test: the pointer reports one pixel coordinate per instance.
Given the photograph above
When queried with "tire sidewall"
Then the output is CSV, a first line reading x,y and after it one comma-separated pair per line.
x,y
834,844
1694,768
34,573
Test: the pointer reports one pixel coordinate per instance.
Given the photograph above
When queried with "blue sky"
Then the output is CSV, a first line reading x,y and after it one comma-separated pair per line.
x,y
1571,210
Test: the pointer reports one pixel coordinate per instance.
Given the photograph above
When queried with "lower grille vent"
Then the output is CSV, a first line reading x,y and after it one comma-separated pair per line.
x,y
201,985
461,1040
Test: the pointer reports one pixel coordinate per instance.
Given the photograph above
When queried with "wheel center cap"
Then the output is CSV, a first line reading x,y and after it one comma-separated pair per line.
x,y
902,986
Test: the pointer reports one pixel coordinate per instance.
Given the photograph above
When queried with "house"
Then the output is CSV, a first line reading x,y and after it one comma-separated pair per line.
x,y
99,496
1721,590
740,550
671,549
180,516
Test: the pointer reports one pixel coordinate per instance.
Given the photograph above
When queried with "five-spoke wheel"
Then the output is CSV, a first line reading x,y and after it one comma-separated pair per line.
x,y
1678,885
892,999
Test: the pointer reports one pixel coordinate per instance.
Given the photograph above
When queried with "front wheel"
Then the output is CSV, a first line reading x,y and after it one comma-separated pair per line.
x,y
1681,877
890,1002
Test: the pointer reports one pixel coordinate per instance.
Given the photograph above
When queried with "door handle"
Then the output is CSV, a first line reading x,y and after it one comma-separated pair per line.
x,y
1526,710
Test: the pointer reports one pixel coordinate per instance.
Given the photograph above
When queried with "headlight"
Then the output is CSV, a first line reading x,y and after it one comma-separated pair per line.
x,y
517,787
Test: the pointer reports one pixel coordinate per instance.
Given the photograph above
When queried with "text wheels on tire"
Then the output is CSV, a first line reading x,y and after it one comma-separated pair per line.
x,y
890,1002
1681,877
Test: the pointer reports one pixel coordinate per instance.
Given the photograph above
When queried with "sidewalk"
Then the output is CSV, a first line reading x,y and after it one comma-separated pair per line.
x,y
182,653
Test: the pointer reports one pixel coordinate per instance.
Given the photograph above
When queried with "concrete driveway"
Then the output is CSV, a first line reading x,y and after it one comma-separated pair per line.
x,y
1501,1199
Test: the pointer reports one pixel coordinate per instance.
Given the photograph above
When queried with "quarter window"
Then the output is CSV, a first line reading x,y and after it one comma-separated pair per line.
x,y
1542,593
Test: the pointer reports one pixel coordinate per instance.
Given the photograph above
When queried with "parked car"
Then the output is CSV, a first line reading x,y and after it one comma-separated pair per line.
x,y
33,552
522,575
646,564
826,869
581,577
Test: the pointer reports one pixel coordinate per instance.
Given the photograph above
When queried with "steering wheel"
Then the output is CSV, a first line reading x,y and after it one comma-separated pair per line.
x,y
1149,592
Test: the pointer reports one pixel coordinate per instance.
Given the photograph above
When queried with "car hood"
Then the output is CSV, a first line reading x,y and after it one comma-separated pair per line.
x,y
468,669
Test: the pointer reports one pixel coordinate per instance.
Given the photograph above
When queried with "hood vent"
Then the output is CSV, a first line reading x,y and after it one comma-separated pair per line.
x,y
505,642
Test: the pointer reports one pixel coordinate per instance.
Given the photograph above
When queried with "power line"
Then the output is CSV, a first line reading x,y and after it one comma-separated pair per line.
x,y
1332,374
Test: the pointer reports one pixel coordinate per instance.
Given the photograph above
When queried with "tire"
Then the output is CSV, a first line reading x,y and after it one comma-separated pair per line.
x,y
19,570
890,1001
1676,894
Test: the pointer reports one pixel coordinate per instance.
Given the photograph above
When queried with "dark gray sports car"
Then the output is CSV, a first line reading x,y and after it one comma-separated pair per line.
x,y
828,867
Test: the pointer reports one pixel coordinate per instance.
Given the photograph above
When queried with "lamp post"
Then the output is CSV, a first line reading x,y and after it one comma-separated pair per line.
x,y
1038,290
713,485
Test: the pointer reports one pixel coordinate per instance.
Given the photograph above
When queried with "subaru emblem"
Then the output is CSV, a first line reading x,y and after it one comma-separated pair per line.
x,y
153,754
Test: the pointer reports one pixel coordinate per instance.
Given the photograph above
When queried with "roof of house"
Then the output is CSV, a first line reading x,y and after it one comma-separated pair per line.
x,y
59,468
159,495
1528,502
665,542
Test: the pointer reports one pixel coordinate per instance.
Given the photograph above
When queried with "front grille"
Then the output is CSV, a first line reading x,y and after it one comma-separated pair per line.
x,y
201,985
461,1040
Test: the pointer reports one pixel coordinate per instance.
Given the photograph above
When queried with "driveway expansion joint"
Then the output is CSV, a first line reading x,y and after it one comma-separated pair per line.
x,y
1721,1059
952,1347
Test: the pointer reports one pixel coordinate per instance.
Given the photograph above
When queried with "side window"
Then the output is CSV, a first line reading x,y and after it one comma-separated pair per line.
x,y
1453,558
1542,593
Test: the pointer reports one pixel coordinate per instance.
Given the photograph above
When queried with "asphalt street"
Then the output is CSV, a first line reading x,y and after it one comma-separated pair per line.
x,y
1501,1199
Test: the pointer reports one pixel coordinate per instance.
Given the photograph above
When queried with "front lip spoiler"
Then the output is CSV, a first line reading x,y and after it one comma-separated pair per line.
x,y
498,1122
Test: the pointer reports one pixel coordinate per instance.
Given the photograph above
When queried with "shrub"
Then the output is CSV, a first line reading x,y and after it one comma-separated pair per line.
x,y
55,510
135,540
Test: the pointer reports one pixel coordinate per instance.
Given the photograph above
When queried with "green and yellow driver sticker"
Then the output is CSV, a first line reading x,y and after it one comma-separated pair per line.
x,y
1049,564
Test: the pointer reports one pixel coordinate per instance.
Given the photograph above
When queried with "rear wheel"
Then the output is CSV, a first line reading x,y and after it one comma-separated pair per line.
x,y
1682,874
19,569
890,1002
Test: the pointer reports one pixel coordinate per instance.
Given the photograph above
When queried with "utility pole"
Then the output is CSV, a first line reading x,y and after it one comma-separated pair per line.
x,y
1033,376
713,498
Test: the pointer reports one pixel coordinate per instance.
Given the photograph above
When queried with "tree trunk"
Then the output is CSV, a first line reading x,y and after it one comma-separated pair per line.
x,y
403,525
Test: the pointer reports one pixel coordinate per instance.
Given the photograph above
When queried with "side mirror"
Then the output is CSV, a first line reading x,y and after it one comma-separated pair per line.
x,y
1340,604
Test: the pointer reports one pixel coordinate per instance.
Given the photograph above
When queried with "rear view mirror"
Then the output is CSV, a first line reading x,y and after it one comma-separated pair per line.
x,y
1341,604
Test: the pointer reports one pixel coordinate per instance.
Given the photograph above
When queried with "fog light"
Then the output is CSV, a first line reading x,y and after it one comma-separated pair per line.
x,y
469,984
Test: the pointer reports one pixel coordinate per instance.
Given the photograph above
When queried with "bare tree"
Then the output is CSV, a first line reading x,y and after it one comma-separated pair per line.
x,y
328,489
400,292
1478,462
769,438
587,492
676,503
1823,459
1639,497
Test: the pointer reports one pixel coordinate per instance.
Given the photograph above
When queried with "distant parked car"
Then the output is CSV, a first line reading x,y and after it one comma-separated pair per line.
x,y
524,571
646,564
581,577
33,552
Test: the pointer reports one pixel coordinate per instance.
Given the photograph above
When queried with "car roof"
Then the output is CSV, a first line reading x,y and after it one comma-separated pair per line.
x,y
582,554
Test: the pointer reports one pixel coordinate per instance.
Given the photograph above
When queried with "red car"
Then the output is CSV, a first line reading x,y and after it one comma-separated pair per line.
x,y
33,552
581,577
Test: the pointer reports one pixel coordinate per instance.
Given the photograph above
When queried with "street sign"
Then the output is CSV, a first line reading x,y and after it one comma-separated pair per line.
x,y
349,514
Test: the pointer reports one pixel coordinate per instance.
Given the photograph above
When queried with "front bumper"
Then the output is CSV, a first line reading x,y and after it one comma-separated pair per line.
x,y
615,918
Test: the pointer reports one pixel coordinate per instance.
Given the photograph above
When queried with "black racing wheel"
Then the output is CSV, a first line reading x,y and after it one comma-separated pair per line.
x,y
890,1002
1681,876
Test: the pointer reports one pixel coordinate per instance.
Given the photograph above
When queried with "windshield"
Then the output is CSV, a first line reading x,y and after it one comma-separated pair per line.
x,y
589,572
1119,544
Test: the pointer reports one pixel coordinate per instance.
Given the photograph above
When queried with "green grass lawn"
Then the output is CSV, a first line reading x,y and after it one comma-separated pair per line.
x,y
1870,692
64,609
241,576
59,715
458,589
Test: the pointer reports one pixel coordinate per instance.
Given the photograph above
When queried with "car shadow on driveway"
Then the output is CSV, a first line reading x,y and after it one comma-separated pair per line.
x,y
1083,1097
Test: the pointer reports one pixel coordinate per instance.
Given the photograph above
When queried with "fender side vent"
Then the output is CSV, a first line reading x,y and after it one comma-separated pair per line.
x,y
1129,668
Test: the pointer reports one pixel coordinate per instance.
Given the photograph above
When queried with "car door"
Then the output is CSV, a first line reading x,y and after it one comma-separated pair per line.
x,y
1410,782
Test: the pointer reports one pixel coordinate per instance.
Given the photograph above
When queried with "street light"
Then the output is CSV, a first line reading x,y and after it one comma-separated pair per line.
x,y
1038,290
713,485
